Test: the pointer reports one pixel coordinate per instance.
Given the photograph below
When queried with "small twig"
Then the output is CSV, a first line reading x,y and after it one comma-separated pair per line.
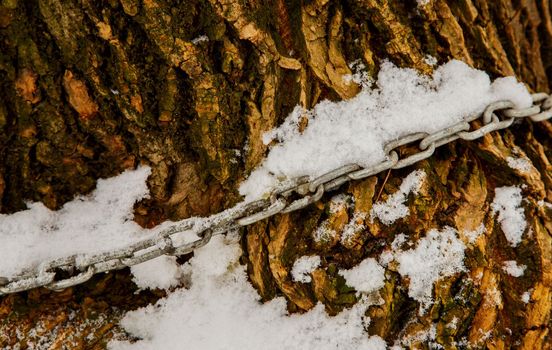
x,y
383,185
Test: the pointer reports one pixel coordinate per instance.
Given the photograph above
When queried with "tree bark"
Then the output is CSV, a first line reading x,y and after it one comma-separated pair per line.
x,y
90,88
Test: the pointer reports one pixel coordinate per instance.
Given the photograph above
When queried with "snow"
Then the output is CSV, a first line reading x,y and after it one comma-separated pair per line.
x,y
526,296
399,240
453,324
303,267
200,39
356,130
221,310
394,208
162,272
424,336
360,75
386,257
472,236
513,269
507,203
356,224
520,164
376,343
439,254
87,224
339,202
366,277
323,233
218,308
46,334
432,61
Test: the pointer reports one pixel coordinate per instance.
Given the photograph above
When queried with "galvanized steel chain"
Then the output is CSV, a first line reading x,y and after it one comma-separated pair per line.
x,y
293,195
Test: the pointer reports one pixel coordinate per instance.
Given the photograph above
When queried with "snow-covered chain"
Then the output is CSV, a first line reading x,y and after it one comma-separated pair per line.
x,y
293,195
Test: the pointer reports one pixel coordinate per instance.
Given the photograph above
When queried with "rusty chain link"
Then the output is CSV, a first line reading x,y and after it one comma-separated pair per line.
x,y
65,272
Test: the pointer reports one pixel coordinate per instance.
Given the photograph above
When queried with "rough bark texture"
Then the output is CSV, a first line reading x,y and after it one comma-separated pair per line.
x,y
89,88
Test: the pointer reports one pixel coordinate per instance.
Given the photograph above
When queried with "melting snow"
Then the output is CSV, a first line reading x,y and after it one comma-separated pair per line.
x,y
356,130
507,203
426,336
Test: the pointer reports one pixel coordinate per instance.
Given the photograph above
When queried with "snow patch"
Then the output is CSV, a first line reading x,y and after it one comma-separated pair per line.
x,y
356,224
513,269
401,102
359,76
162,272
507,203
439,254
394,208
386,257
200,39
432,61
89,224
526,296
303,267
221,310
453,324
522,165
339,202
366,277
426,336
398,241
472,236
324,233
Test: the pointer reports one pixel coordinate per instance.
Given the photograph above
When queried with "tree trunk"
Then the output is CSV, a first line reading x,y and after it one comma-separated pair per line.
x,y
89,88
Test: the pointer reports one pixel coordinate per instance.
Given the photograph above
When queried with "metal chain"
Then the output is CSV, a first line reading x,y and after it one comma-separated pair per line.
x,y
69,271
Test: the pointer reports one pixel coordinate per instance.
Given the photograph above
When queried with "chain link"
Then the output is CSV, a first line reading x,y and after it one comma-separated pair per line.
x,y
171,241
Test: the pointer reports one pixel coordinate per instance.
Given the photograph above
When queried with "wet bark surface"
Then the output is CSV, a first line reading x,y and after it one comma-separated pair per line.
x,y
90,88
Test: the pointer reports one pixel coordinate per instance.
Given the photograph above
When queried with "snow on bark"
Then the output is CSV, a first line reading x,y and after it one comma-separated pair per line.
x,y
439,254
507,204
303,267
366,277
356,130
394,208
513,269
221,310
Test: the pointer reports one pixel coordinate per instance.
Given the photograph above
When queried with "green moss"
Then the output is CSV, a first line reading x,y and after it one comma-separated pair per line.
x,y
346,299
3,115
28,55
341,285
45,154
9,4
